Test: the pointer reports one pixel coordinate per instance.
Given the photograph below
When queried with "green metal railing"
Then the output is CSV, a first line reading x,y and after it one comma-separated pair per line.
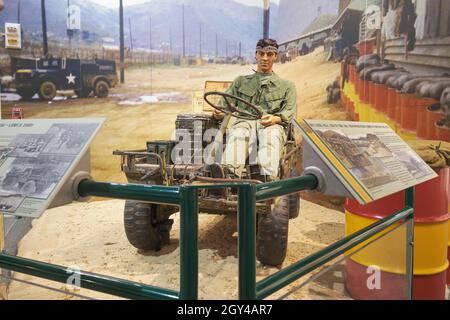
x,y
187,198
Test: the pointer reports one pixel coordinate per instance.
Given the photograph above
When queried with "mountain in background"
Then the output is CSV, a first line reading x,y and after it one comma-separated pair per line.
x,y
94,17
294,16
231,21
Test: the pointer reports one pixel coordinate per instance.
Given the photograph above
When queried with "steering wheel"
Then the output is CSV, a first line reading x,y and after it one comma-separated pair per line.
x,y
233,108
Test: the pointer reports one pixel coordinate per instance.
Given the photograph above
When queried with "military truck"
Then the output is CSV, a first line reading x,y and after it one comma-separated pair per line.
x,y
48,75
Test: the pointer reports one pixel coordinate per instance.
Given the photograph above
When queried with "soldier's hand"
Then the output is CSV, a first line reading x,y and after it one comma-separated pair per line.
x,y
219,115
270,120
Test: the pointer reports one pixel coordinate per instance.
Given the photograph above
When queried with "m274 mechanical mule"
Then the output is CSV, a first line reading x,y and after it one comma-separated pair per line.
x,y
148,226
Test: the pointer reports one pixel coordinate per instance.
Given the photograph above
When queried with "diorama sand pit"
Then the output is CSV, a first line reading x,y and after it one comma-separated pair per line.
x,y
90,237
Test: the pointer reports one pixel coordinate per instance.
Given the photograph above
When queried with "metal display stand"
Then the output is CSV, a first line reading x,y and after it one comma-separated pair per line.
x,y
329,184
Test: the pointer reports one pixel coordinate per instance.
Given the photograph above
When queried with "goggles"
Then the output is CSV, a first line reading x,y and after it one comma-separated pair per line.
x,y
267,49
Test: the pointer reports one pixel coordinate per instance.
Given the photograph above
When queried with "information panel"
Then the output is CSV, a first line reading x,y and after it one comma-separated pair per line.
x,y
37,157
13,36
370,159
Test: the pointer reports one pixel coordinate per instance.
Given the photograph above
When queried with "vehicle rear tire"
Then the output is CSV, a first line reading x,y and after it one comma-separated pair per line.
x,y
26,95
142,229
101,89
294,205
272,234
47,90
294,199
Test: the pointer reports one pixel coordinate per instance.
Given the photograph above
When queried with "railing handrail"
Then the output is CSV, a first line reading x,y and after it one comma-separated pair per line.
x,y
101,283
186,197
138,192
171,195
295,271
280,188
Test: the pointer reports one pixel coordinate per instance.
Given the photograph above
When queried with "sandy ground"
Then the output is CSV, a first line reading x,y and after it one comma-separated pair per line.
x,y
90,235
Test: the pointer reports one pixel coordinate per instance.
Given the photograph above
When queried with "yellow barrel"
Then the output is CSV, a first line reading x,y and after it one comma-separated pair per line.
x,y
448,249
388,253
372,113
389,122
449,237
363,109
378,116
351,93
357,106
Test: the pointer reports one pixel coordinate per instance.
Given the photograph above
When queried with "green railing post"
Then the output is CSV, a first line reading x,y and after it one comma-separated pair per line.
x,y
137,192
409,203
247,242
279,188
188,244
100,283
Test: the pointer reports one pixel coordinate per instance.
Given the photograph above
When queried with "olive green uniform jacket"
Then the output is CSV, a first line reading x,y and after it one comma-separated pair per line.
x,y
270,93
250,139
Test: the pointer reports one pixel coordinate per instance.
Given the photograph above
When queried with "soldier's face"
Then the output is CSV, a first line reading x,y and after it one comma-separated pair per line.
x,y
265,60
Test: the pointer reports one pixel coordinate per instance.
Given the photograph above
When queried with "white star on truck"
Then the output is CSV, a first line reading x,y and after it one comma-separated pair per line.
x,y
71,78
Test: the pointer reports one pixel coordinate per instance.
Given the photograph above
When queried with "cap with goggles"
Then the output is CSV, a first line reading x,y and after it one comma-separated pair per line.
x,y
267,45
267,49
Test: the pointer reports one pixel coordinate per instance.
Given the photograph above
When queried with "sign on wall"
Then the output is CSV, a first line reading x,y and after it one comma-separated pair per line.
x,y
74,18
13,36
373,14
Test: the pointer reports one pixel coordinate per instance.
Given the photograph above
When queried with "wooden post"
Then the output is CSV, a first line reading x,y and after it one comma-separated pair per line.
x,y
3,286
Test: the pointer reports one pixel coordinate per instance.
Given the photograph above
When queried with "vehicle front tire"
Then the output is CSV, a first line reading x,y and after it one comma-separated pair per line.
x,y
272,234
101,89
47,90
294,205
142,229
